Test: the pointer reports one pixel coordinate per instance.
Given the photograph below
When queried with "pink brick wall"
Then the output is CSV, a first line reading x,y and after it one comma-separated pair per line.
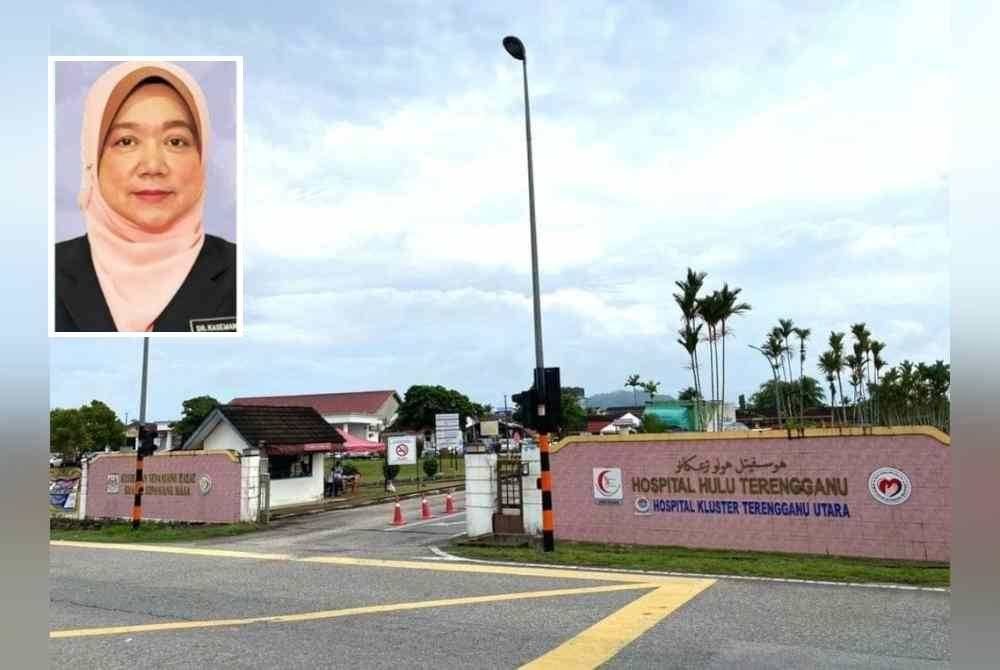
x,y
918,529
171,485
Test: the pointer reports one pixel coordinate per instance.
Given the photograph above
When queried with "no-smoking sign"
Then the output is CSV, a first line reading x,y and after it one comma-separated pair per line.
x,y
402,450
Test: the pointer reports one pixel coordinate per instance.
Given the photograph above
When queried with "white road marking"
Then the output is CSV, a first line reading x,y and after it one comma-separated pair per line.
x,y
441,556
424,522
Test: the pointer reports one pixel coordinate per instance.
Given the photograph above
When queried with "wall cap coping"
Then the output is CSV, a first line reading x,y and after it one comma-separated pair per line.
x,y
233,455
768,434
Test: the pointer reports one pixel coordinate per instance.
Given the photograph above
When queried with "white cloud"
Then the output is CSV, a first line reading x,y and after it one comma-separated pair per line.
x,y
797,153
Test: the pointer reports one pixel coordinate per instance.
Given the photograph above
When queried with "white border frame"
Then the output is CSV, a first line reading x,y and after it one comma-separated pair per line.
x,y
238,174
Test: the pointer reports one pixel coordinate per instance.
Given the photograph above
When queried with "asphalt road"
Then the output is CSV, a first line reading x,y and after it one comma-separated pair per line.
x,y
357,592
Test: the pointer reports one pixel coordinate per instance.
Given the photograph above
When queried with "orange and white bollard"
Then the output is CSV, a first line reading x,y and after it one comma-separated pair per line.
x,y
425,509
449,504
397,515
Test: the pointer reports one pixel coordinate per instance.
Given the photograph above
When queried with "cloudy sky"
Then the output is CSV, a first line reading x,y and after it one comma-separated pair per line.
x,y
799,151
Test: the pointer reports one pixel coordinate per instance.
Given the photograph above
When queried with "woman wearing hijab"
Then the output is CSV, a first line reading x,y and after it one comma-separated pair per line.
x,y
145,263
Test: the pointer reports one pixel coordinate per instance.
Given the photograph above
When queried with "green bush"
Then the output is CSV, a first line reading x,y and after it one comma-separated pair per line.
x,y
349,468
430,467
389,472
654,424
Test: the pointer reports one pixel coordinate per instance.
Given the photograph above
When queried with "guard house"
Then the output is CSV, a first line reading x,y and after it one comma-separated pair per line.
x,y
294,439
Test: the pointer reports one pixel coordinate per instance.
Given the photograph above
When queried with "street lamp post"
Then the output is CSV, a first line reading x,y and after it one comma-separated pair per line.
x,y
138,484
516,49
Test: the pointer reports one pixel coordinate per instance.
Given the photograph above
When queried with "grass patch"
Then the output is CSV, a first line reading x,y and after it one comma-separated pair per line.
x,y
718,562
93,530
371,469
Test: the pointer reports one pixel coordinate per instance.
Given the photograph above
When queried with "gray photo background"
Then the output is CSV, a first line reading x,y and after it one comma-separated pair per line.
x,y
217,79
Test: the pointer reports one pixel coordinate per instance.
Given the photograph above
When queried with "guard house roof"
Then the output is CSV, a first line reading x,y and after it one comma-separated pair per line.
x,y
281,429
361,402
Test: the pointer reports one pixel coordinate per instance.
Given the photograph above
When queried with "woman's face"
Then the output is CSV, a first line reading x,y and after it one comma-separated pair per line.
x,y
150,170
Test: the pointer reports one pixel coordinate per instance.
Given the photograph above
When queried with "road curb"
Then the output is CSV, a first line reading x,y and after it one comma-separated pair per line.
x,y
780,580
335,507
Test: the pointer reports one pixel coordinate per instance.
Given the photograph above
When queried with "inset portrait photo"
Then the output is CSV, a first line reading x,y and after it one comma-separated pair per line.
x,y
144,169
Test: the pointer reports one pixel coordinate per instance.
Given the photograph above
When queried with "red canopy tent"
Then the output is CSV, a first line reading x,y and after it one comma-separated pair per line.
x,y
358,446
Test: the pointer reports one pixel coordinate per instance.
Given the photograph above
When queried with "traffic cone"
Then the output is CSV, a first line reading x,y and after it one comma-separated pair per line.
x,y
397,515
425,509
449,504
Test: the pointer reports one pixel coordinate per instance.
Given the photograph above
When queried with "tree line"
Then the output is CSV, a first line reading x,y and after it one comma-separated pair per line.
x,y
910,393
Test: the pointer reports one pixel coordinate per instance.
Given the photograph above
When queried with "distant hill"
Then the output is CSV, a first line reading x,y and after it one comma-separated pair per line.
x,y
623,398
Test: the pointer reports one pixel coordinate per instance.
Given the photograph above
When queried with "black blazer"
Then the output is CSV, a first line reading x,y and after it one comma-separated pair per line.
x,y
206,301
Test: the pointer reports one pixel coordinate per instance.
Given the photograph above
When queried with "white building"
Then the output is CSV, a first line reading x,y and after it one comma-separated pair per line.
x,y
294,439
364,414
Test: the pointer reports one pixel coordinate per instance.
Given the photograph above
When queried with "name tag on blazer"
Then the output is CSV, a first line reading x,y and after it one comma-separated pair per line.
x,y
219,324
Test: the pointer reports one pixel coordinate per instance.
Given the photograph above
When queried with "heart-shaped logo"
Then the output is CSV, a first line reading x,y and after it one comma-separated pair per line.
x,y
889,486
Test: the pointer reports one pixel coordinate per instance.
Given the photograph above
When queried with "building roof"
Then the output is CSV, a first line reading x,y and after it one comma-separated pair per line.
x,y
279,425
614,413
595,425
361,402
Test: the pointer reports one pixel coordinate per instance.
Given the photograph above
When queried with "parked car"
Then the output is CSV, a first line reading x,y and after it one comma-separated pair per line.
x,y
55,461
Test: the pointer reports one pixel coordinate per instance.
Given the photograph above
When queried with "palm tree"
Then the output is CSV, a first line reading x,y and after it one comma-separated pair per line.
x,y
878,363
830,366
689,340
837,349
633,381
776,341
803,335
728,309
772,353
651,388
862,338
855,365
687,300
710,308
786,328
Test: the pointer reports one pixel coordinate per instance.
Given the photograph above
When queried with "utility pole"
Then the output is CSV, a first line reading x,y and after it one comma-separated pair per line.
x,y
139,442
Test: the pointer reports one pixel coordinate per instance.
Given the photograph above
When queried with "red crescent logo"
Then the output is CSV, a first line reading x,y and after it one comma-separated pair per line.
x,y
602,482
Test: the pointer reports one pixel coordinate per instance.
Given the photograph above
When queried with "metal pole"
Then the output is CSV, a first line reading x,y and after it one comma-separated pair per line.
x,y
548,522
539,359
138,484
145,367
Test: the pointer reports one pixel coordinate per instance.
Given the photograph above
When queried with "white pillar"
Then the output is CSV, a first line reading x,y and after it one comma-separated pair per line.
x,y
81,494
531,495
480,493
249,487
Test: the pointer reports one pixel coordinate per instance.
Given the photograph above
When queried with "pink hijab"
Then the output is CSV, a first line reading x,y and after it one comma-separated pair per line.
x,y
139,270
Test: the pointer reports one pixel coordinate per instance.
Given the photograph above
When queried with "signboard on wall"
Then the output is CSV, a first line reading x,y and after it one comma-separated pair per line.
x,y
608,485
877,495
401,450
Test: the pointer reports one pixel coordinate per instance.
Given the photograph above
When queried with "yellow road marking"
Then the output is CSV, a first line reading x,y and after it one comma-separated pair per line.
x,y
552,573
607,637
589,649
556,573
333,614
170,549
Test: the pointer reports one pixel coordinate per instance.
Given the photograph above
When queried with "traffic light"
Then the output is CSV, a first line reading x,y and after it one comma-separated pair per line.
x,y
527,401
551,422
147,433
550,398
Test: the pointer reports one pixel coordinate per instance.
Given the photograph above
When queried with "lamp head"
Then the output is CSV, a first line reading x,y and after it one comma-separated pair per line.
x,y
514,47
